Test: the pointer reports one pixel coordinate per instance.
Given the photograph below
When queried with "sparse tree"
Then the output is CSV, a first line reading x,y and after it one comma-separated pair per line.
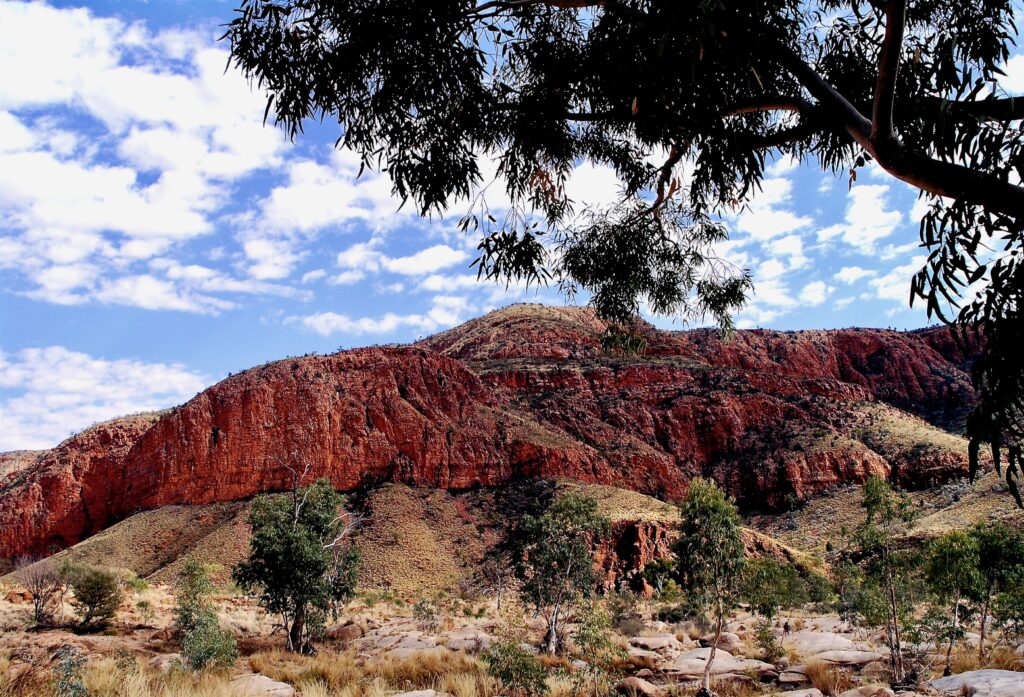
x,y
203,643
887,569
652,87
710,556
302,561
951,570
97,595
1000,559
495,573
555,559
43,580
768,586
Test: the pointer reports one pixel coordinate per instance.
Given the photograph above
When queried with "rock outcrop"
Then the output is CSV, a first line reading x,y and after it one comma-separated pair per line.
x,y
523,392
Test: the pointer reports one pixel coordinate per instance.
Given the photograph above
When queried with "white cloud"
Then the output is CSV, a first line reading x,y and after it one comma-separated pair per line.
x,y
767,216
445,311
1013,81
895,285
867,219
119,145
426,261
56,391
815,293
851,274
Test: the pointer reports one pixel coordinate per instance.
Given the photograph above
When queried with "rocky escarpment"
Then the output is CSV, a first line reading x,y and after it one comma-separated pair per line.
x,y
523,392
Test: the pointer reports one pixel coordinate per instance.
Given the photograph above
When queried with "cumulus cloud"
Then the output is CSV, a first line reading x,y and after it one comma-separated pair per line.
x,y
815,293
54,392
119,145
445,311
852,274
868,219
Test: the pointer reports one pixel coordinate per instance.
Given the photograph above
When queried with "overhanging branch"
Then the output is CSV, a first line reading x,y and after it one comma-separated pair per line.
x,y
888,68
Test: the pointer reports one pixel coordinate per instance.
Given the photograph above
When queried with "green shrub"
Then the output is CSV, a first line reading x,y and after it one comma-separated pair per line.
x,y
766,641
97,595
206,645
68,680
520,672
203,643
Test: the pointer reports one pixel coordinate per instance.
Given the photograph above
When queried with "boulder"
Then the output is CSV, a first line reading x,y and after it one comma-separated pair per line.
x,y
807,643
691,663
795,675
869,691
345,632
662,643
637,687
256,685
809,692
164,661
728,640
982,683
847,658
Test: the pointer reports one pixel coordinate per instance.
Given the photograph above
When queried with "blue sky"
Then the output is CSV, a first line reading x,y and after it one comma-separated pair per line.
x,y
154,236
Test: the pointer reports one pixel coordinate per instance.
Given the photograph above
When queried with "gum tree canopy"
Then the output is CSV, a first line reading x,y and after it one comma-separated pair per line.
x,y
435,92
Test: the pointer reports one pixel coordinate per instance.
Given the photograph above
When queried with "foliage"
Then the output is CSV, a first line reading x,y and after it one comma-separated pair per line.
x,y
594,647
652,88
766,641
203,643
425,613
710,553
67,673
554,552
768,586
302,563
206,645
97,595
658,574
1008,612
520,672
886,597
1000,558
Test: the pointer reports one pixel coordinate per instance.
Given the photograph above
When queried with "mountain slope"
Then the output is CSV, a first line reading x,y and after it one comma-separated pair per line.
x,y
522,392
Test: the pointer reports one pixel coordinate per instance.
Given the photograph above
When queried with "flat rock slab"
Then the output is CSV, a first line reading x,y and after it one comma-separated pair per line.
x,y
811,692
662,643
807,642
691,663
847,658
869,691
982,683
256,685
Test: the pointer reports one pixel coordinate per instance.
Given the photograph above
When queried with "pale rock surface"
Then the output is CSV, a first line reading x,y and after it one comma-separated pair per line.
x,y
982,683
256,685
847,658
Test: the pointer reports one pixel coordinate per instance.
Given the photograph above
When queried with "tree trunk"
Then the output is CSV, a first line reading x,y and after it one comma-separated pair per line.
x,y
551,642
952,635
706,682
500,583
899,674
295,631
984,624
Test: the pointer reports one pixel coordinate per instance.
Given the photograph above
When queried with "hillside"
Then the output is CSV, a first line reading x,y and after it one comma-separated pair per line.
x,y
522,392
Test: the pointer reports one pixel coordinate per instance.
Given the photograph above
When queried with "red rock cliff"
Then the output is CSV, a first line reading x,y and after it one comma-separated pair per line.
x,y
525,391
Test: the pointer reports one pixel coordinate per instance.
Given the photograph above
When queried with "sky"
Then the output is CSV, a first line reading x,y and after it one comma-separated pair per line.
x,y
155,236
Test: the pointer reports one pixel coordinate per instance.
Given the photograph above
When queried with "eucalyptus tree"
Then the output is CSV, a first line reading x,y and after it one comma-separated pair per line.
x,y
710,556
432,93
554,553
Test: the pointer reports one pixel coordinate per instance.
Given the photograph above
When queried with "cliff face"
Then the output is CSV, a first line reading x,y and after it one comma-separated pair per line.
x,y
525,391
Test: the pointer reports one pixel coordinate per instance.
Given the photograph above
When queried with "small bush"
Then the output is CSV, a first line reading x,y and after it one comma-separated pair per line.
x,y
521,673
97,595
425,613
766,641
68,679
206,645
203,643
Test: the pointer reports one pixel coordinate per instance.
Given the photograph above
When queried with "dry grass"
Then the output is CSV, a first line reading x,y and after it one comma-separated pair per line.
x,y
828,678
351,676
